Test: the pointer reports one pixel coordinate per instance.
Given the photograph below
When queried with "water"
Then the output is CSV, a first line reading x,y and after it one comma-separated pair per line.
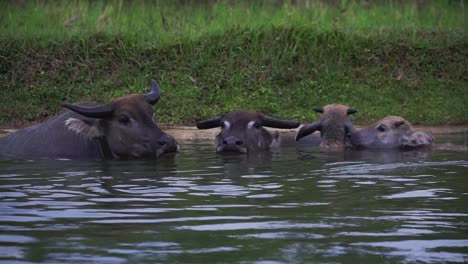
x,y
295,206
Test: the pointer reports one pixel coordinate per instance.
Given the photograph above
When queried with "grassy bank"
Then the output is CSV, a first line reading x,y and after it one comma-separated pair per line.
x,y
212,57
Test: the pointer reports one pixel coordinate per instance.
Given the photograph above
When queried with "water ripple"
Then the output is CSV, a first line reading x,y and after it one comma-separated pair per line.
x,y
419,250
295,206
16,239
417,194
179,219
254,225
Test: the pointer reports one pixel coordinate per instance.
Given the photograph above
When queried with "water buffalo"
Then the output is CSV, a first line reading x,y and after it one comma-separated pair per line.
x,y
124,128
390,133
334,125
243,131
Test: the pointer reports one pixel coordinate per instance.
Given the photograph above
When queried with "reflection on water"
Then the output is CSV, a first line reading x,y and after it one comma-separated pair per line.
x,y
293,206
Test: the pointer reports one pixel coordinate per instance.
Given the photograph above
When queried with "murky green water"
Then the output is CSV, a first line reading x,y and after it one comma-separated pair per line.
x,y
295,206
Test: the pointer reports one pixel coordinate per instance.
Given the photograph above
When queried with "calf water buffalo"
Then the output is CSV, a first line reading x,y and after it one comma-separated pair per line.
x,y
390,133
243,131
124,128
334,125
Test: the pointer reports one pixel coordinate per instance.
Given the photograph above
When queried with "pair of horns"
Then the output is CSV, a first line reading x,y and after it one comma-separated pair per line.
x,y
350,111
263,120
317,126
106,110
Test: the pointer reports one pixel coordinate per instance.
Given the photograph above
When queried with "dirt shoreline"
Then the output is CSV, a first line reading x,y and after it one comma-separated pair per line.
x,y
192,134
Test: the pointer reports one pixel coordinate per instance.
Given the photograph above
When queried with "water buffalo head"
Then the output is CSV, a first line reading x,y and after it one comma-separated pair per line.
x,y
243,131
334,125
390,132
125,126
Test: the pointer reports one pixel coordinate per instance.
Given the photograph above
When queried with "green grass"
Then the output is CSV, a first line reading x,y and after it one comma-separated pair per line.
x,y
215,56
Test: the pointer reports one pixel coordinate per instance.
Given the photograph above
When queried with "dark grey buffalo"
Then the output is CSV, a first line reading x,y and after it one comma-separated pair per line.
x,y
334,125
392,132
124,128
243,131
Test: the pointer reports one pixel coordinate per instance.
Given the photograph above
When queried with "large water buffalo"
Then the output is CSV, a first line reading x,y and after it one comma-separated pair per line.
x,y
334,125
243,131
392,132
124,128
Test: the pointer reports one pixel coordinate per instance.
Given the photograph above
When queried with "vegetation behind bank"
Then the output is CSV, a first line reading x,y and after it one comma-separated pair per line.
x,y
214,57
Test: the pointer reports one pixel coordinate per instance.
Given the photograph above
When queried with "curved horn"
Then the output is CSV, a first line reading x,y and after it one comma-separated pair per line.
x,y
153,96
351,111
318,109
277,123
210,123
308,129
100,111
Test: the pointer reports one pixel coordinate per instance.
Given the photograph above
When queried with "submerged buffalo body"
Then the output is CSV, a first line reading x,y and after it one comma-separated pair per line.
x,y
334,125
243,131
392,132
124,128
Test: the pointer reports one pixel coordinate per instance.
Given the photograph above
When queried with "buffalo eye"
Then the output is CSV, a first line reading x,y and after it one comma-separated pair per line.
x,y
252,124
225,125
124,119
381,128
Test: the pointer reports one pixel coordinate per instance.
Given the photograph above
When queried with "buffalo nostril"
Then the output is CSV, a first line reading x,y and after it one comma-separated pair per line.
x,y
232,141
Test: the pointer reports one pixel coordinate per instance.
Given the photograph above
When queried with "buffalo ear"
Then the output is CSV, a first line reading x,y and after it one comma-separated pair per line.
x,y
210,123
153,96
318,109
83,127
277,123
349,127
398,123
351,111
100,111
308,129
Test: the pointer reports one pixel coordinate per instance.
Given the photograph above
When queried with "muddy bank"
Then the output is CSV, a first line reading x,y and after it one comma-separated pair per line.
x,y
194,135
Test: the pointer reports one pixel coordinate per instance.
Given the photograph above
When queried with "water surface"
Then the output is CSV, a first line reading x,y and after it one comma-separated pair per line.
x,y
294,206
